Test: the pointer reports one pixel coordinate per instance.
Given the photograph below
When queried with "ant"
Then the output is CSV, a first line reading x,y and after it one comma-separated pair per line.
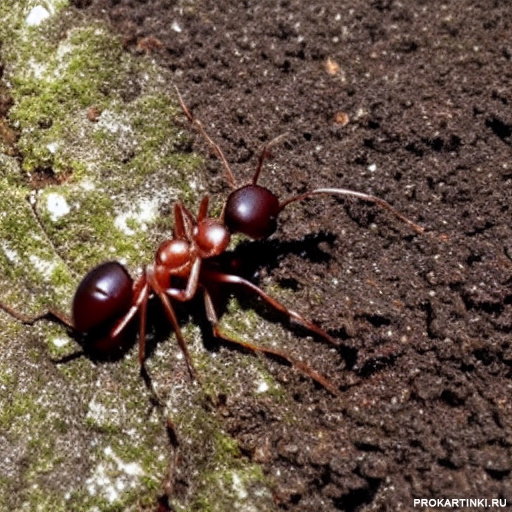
x,y
108,299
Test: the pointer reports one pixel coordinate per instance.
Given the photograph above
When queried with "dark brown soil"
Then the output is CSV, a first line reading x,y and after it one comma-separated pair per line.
x,y
425,321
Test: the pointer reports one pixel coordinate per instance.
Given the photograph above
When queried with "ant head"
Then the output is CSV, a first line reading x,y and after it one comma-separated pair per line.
x,y
252,210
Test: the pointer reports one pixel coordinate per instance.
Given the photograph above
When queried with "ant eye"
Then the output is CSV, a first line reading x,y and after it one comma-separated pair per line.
x,y
252,210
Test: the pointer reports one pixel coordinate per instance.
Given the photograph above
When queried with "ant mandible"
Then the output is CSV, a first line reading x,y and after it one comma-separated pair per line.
x,y
108,299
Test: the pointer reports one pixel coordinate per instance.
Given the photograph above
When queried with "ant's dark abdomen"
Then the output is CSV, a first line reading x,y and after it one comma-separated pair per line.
x,y
103,296
252,210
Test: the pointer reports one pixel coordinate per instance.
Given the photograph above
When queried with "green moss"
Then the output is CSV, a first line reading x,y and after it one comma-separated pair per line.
x,y
116,176
226,480
40,501
27,256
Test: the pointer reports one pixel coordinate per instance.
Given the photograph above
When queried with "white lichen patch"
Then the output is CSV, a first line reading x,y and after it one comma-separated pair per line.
x,y
57,206
96,412
63,50
101,415
37,15
262,387
52,147
44,267
37,69
60,341
11,254
112,123
113,477
40,13
144,212
239,487
87,185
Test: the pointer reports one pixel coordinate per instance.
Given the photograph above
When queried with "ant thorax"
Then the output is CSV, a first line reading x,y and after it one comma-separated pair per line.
x,y
172,258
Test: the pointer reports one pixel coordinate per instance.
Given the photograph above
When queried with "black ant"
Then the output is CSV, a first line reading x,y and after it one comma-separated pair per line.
x,y
108,299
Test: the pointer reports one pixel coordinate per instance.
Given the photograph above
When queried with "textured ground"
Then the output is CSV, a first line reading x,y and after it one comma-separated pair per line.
x,y
424,321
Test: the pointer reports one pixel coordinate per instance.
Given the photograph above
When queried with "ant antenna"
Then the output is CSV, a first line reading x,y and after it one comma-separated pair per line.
x,y
359,195
265,153
216,148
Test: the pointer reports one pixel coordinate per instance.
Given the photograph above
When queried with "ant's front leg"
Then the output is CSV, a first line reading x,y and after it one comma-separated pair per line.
x,y
187,293
139,305
171,315
299,365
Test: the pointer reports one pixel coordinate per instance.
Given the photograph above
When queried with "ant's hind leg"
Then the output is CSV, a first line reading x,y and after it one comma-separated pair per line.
x,y
299,365
53,316
220,277
49,314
